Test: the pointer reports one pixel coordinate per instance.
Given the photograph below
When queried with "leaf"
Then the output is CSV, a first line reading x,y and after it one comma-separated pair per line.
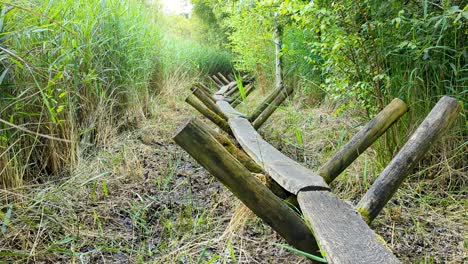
x,y
104,188
240,86
7,219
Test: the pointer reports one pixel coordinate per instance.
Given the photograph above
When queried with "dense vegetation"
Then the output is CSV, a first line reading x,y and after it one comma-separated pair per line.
x,y
92,91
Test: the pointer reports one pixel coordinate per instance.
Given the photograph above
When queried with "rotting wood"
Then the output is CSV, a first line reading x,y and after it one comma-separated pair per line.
x,y
288,173
442,116
222,77
248,162
204,89
260,108
257,197
341,232
270,109
362,140
208,102
212,116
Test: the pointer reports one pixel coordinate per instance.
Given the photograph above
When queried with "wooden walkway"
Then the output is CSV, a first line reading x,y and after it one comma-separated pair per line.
x,y
332,228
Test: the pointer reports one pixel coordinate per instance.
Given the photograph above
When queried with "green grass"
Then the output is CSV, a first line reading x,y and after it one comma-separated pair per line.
x,y
71,72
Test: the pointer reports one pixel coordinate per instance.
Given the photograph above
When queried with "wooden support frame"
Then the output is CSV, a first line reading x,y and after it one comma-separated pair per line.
x,y
226,168
260,108
208,101
270,109
442,116
222,77
362,140
217,81
212,116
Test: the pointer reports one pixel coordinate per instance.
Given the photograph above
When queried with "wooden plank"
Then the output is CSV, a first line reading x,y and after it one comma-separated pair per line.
x,y
194,138
286,172
271,108
342,234
442,116
362,140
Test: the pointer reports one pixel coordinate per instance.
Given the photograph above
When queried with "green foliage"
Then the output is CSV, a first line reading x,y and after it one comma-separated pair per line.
x,y
73,70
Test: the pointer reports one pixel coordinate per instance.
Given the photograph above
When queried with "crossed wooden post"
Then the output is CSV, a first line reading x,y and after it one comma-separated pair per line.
x,y
332,228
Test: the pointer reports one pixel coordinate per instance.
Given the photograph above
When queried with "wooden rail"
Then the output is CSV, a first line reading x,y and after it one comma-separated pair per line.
x,y
340,233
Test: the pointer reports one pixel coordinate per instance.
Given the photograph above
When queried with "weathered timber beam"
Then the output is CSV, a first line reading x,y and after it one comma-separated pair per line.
x,y
257,197
286,172
341,232
265,103
204,88
222,77
362,140
238,99
217,81
208,102
212,116
263,117
248,162
232,92
439,119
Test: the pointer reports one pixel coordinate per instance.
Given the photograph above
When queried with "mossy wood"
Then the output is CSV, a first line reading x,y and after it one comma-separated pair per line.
x,y
362,140
208,102
442,116
238,99
260,108
271,108
202,146
222,77
329,217
288,173
212,116
248,162
217,81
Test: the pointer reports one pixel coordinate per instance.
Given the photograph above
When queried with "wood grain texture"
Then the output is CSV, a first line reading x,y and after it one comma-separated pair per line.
x,y
442,116
362,140
271,108
212,116
341,232
194,138
286,172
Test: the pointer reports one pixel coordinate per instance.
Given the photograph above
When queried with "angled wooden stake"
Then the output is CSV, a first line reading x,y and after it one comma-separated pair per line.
x,y
212,116
204,88
208,101
221,76
238,99
362,140
260,108
228,170
263,117
217,81
439,119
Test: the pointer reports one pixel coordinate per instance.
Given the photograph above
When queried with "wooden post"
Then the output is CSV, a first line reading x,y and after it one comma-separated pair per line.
x,y
265,104
248,162
238,99
204,88
221,76
212,116
208,102
362,140
278,46
272,107
257,197
439,119
217,81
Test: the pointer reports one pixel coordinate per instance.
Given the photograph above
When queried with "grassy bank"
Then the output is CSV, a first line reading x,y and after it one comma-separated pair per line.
x,y
72,74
